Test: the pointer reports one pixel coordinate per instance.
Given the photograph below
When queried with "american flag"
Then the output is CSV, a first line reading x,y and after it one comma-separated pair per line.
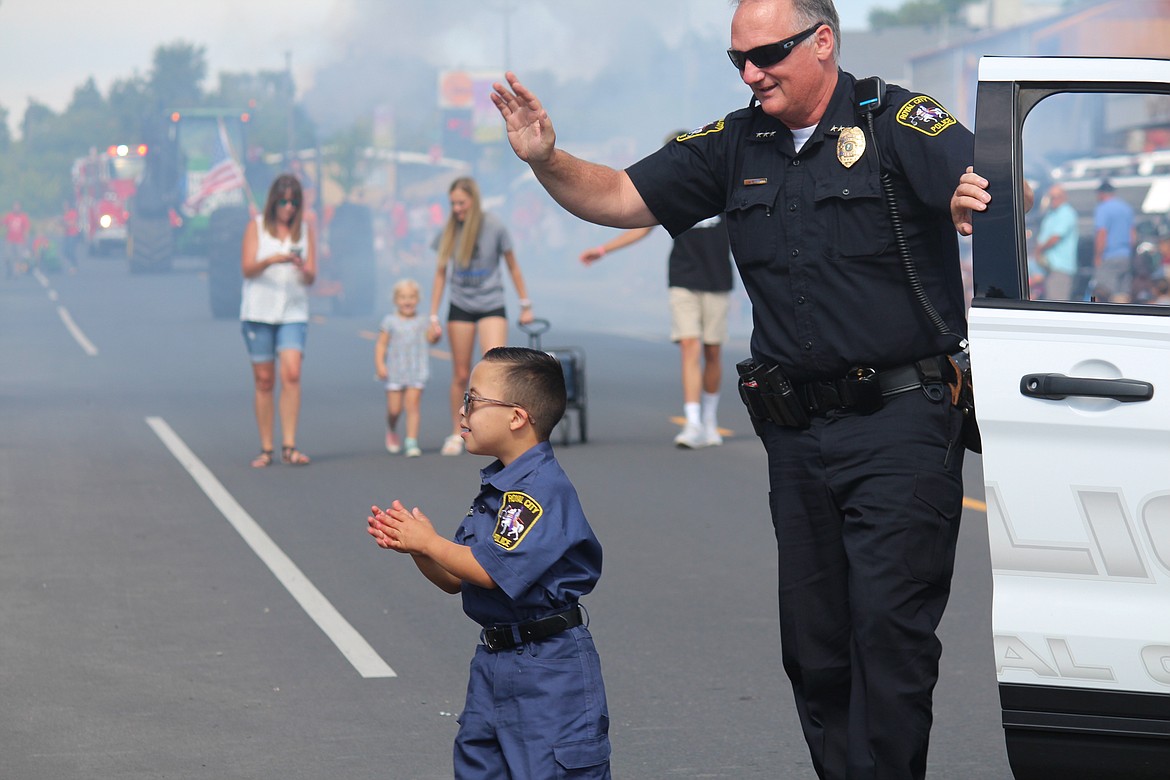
x,y
225,173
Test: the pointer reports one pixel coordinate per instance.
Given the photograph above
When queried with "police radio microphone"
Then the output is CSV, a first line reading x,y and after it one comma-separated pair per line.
x,y
869,97
869,94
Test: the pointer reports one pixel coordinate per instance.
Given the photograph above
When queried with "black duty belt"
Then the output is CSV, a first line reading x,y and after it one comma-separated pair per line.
x,y
864,388
499,638
769,395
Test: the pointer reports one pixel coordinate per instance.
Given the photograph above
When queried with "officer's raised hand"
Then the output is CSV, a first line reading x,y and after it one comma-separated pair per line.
x,y
530,131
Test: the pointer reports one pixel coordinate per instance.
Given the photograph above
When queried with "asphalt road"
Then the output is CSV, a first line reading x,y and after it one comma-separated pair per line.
x,y
169,612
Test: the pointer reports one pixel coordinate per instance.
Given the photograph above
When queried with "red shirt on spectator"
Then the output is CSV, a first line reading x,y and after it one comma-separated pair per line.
x,y
72,222
17,224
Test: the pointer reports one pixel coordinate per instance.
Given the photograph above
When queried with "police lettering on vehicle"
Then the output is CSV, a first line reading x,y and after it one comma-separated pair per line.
x,y
925,115
518,513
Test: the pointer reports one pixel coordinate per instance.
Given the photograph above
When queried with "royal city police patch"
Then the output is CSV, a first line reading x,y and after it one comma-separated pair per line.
x,y
518,513
714,127
925,115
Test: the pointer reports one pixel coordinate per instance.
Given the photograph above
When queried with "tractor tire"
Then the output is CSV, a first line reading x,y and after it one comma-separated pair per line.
x,y
151,245
224,235
351,246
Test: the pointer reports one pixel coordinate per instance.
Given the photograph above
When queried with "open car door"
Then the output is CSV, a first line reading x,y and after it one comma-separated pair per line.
x,y
1073,401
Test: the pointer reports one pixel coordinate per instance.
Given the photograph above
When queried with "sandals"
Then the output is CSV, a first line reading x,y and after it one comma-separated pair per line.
x,y
291,456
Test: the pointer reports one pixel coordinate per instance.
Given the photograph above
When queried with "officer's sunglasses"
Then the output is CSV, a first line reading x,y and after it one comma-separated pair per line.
x,y
770,53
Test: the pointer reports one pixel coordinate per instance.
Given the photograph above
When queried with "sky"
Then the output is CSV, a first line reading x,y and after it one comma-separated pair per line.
x,y
50,47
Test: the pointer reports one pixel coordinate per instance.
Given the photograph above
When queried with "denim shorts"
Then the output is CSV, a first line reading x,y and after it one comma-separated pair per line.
x,y
265,339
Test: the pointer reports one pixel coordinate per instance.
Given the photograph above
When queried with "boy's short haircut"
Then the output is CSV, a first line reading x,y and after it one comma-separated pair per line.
x,y
402,285
535,381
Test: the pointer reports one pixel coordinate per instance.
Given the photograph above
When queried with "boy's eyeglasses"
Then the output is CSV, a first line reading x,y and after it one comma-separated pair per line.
x,y
770,53
469,399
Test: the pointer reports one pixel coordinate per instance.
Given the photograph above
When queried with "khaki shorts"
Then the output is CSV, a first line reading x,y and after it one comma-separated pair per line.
x,y
698,315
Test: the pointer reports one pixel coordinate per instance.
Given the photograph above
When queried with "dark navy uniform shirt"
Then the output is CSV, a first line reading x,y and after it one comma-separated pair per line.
x,y
813,239
527,529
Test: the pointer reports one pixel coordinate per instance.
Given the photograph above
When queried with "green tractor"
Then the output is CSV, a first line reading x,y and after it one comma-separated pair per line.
x,y
193,199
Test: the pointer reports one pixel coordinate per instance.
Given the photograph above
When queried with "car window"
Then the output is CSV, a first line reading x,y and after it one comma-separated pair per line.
x,y
1101,162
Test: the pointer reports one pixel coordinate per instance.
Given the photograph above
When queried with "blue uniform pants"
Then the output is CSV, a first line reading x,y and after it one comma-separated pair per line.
x,y
537,712
866,511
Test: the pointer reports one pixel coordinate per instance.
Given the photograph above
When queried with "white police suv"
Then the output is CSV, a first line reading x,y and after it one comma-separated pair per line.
x,y
1073,401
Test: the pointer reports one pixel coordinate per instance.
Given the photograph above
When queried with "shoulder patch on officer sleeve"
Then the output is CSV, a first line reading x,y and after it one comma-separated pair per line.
x,y
925,115
518,513
714,127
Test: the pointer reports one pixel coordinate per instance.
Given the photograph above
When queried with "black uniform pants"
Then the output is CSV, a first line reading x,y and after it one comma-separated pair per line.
x,y
866,511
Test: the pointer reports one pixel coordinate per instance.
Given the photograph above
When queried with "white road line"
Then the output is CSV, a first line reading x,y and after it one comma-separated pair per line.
x,y
78,336
63,313
351,644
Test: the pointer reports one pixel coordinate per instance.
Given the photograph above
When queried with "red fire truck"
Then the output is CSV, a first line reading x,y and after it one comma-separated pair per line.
x,y
103,184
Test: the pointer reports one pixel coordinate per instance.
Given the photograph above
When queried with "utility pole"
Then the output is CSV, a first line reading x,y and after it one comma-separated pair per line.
x,y
507,35
292,94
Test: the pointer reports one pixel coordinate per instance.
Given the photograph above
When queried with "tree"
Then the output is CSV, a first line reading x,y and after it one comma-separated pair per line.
x,y
87,118
918,13
129,104
177,75
37,121
267,96
5,134
87,97
348,156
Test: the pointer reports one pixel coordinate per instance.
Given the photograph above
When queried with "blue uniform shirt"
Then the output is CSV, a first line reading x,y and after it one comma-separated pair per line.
x,y
528,531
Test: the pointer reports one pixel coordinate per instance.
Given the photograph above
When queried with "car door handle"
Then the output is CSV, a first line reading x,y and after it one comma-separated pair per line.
x,y
1056,387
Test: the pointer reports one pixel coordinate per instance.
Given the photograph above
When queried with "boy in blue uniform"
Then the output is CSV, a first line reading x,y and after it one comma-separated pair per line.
x,y
522,558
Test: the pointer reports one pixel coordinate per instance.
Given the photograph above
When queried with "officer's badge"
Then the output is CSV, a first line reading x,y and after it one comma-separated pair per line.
x,y
518,513
925,115
714,127
850,145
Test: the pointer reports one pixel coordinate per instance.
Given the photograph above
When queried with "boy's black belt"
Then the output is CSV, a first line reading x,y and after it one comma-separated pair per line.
x,y
499,638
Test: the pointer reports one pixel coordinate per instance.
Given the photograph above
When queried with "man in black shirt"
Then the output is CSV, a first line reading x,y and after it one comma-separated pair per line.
x,y
862,435
700,281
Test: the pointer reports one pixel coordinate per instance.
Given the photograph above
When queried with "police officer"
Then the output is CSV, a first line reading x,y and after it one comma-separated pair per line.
x,y
863,442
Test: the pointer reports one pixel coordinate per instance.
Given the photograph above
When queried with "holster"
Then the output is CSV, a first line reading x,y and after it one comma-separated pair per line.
x,y
963,397
768,395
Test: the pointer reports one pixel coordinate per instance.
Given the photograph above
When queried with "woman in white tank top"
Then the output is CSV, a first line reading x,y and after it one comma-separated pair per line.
x,y
279,262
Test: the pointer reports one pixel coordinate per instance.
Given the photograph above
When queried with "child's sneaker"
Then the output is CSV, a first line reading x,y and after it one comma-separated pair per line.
x,y
393,446
412,450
